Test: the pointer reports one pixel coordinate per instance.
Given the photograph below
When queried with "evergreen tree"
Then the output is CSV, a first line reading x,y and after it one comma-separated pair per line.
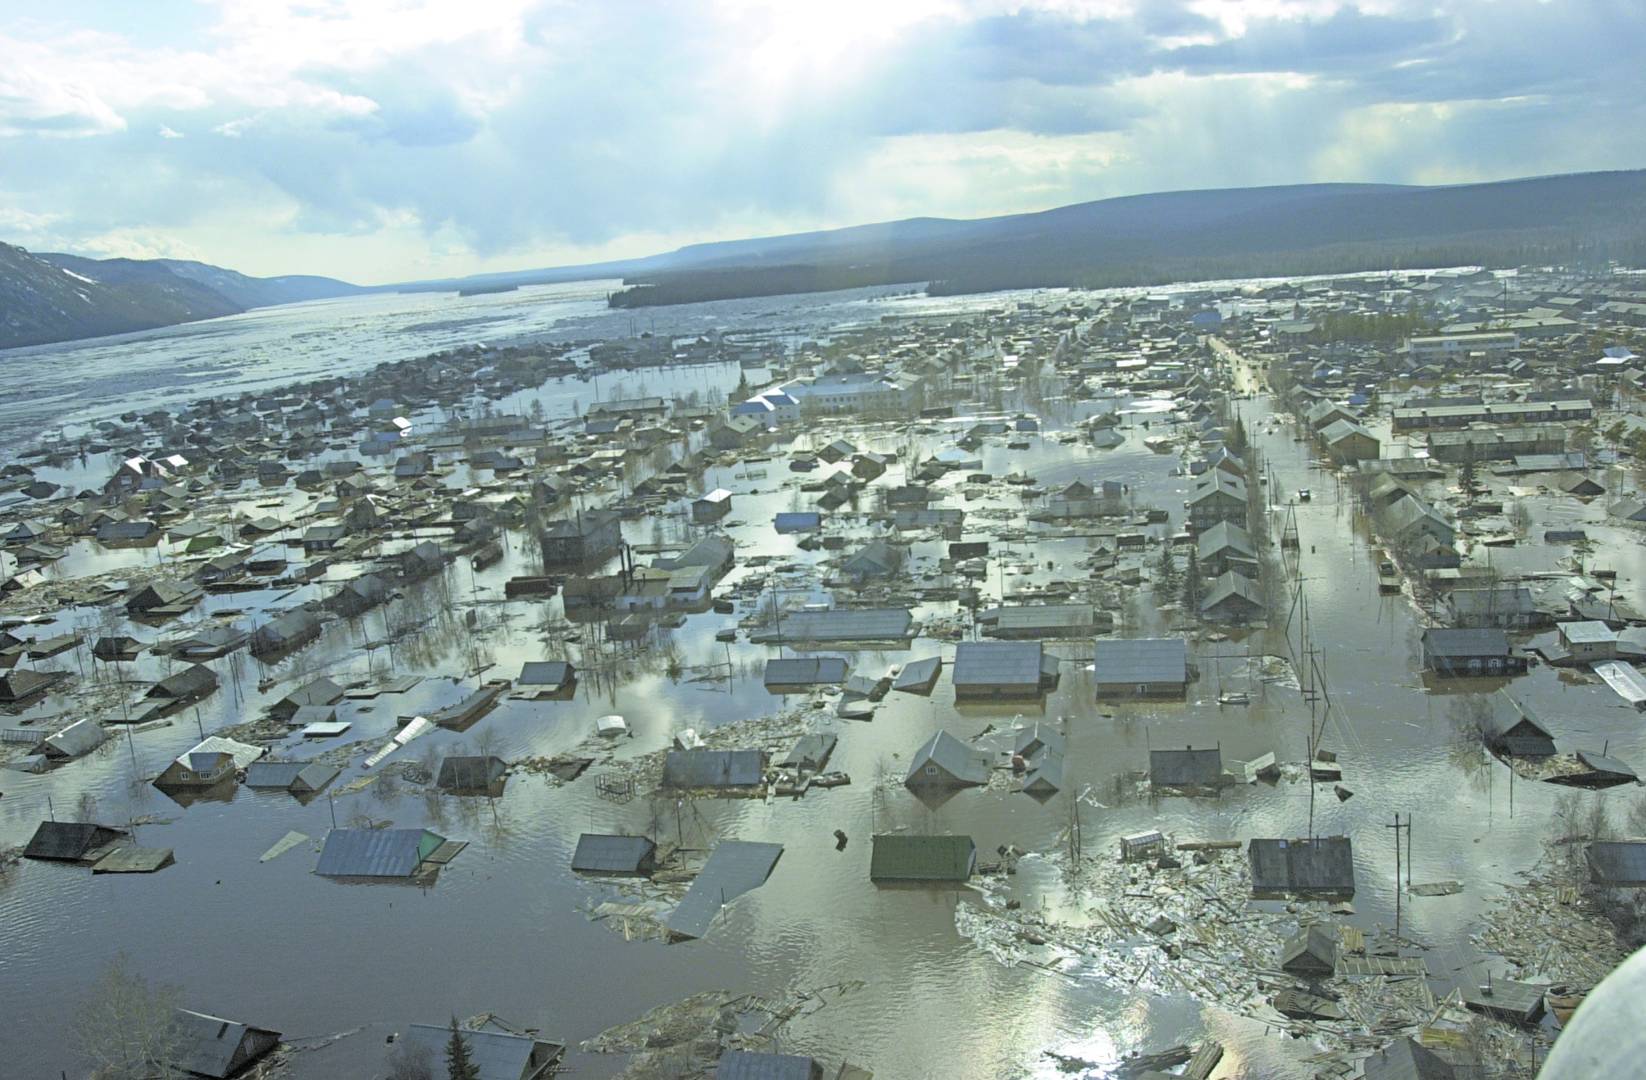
x,y
1191,584
1466,473
1166,574
459,1066
1237,437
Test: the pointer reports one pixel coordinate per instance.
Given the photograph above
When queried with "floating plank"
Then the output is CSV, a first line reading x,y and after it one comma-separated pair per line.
x,y
282,845
1436,888
1382,965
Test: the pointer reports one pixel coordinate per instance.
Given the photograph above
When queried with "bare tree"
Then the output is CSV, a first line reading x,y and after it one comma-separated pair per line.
x,y
410,1061
126,1028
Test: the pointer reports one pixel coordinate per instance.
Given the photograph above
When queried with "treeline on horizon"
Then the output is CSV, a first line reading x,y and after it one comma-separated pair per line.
x,y
953,276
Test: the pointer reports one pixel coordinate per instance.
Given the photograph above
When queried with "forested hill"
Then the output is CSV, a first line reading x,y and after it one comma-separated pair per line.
x,y
1187,235
46,298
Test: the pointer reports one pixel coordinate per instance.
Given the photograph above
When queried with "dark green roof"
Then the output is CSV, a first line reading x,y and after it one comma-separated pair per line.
x,y
922,858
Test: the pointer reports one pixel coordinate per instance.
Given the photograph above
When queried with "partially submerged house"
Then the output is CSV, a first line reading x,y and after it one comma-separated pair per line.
x,y
383,853
472,774
911,857
1002,669
718,769
1311,952
300,778
70,841
616,856
1186,770
208,763
1321,866
286,634
1140,667
802,672
756,1065
205,1045
496,1055
943,761
1470,653
1617,864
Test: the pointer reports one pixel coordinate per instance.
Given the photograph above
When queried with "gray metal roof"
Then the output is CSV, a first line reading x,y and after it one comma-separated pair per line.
x,y
320,691
1324,864
80,737
544,673
376,852
805,670
1140,660
1618,863
68,841
848,624
215,1047
997,663
194,679
810,751
496,1055
599,853
705,768
1406,1059
1185,768
918,675
1029,617
749,1065
956,763
470,772
1466,643
734,867
274,774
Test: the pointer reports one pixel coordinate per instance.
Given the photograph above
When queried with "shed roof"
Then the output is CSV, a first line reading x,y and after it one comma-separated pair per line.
x,y
599,853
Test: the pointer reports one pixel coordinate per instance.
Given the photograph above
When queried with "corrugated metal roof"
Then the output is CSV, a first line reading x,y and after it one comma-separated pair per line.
x,y
997,663
905,857
376,852
1185,768
735,867
1140,660
1324,864
704,768
848,624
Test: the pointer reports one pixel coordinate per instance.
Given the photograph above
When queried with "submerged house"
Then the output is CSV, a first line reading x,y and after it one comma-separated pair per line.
x,y
211,1046
584,538
1321,866
616,856
285,634
905,857
210,762
383,853
496,1055
721,769
1186,769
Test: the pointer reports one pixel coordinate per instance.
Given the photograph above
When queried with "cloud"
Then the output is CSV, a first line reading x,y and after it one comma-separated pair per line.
x,y
392,138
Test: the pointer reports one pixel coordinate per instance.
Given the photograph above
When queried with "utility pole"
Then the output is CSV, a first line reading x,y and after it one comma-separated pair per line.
x,y
1397,826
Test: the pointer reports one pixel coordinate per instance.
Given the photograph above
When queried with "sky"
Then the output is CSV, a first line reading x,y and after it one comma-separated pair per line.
x,y
391,140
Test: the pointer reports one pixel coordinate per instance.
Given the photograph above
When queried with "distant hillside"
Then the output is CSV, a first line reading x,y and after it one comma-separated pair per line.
x,y
1178,236
50,297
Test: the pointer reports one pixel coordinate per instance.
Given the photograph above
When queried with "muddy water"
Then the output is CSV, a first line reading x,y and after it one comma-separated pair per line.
x,y
504,927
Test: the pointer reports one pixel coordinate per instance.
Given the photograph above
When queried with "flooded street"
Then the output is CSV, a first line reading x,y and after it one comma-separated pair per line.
x,y
507,928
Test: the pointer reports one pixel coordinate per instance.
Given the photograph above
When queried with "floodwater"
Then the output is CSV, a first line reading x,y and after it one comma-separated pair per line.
x,y
504,929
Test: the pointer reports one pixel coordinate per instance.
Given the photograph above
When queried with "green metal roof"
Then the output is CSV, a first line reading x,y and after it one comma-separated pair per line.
x,y
922,858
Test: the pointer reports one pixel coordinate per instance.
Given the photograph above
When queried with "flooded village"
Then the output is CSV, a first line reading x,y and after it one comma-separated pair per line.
x,y
1231,680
